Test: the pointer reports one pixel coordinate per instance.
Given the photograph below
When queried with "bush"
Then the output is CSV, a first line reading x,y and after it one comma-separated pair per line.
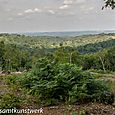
x,y
63,83
99,91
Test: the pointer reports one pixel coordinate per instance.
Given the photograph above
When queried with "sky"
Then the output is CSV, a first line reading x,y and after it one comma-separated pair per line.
x,y
54,15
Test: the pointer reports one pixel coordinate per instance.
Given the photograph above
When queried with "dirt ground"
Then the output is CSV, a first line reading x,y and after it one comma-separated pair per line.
x,y
82,109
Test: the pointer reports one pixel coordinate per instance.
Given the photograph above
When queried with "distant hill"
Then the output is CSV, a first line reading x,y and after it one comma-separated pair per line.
x,y
67,33
53,41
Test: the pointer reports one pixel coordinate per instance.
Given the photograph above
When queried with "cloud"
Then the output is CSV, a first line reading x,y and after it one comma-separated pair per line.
x,y
64,6
37,10
33,10
51,11
29,11
68,3
20,14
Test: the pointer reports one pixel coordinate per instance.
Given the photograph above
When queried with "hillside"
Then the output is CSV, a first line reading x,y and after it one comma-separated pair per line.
x,y
95,47
53,42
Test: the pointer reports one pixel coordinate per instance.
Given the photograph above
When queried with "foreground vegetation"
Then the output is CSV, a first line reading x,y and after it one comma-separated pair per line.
x,y
13,95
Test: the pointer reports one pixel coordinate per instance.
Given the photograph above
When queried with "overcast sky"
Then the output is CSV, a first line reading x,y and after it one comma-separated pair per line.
x,y
54,15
